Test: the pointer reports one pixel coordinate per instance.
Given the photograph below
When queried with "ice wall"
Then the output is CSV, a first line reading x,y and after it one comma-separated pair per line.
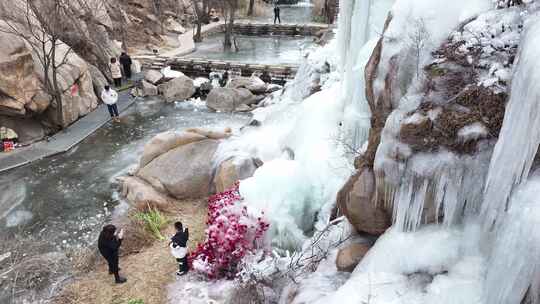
x,y
514,265
520,135
293,192
361,22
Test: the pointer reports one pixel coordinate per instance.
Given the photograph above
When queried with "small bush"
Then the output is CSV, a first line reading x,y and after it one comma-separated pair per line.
x,y
135,301
153,221
233,231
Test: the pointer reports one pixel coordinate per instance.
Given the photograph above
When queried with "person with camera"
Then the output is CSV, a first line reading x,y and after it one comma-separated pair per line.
x,y
109,243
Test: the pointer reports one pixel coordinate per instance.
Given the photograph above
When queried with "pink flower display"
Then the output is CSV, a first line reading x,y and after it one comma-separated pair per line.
x,y
232,232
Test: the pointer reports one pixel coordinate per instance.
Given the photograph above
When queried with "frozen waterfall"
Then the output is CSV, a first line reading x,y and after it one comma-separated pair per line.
x,y
361,23
520,134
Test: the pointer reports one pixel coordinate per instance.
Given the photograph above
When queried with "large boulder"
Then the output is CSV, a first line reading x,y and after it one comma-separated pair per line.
x,y
98,80
29,130
140,193
18,82
177,89
148,89
349,257
212,134
232,170
166,141
153,76
356,200
253,84
228,99
183,172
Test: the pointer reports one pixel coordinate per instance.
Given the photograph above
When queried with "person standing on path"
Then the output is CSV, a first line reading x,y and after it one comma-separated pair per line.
x,y
109,243
179,250
276,14
110,97
116,72
126,62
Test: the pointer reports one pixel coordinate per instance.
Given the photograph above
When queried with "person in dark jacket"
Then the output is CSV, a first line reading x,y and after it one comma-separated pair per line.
x,y
178,246
276,14
109,243
266,77
224,79
126,62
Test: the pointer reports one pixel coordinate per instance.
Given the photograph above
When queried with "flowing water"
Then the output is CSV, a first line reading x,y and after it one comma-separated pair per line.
x,y
64,199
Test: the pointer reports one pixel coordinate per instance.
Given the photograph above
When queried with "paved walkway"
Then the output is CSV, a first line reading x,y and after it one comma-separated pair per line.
x,y
66,139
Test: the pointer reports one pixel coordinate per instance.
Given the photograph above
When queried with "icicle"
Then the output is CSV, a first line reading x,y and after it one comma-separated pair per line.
x,y
514,265
520,134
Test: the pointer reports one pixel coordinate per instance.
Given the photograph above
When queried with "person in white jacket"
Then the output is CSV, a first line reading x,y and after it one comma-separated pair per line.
x,y
110,97
116,72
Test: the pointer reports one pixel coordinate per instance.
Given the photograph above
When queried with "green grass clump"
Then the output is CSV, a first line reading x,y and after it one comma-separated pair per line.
x,y
153,221
135,301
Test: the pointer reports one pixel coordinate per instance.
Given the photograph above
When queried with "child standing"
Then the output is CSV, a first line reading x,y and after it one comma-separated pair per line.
x,y
178,246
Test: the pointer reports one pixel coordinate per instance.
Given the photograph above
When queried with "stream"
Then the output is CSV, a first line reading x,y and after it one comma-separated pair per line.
x,y
63,201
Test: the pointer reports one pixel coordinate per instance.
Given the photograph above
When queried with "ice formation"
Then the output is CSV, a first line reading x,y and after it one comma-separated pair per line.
x,y
520,135
514,255
357,43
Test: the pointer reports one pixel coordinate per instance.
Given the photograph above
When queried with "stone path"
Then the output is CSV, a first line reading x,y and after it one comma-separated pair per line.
x,y
64,140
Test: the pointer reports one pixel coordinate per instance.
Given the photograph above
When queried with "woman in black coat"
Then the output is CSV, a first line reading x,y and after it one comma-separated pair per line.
x,y
126,62
109,244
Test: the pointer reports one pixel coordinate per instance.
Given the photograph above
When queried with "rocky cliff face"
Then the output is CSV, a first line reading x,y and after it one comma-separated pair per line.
x,y
24,105
446,115
93,30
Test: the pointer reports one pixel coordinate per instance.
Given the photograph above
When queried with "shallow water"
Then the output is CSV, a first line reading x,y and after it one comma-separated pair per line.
x,y
65,199
260,50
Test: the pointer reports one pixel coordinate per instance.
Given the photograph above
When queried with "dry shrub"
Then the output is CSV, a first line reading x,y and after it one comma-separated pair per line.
x,y
83,259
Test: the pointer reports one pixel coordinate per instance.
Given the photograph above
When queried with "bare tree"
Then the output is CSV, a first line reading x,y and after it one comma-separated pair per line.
x,y
89,41
41,25
418,39
158,9
229,13
199,12
251,7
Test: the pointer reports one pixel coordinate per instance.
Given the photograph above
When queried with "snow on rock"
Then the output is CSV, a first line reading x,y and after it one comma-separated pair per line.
x,y
435,262
167,72
474,131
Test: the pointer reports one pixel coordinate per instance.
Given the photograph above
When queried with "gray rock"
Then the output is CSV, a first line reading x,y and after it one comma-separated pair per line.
x,y
153,76
242,108
98,80
227,99
233,170
184,172
253,84
148,89
177,89
28,129
166,141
